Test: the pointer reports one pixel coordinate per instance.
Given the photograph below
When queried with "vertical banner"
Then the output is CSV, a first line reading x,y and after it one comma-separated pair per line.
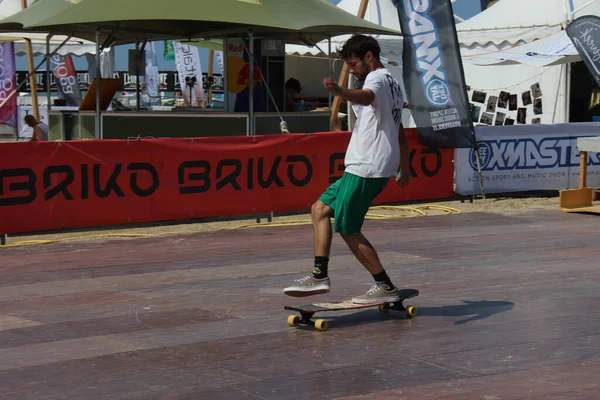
x,y
151,82
169,52
66,79
8,84
219,57
584,32
433,74
189,68
238,75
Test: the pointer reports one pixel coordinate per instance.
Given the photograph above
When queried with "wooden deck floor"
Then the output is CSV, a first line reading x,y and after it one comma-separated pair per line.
x,y
509,309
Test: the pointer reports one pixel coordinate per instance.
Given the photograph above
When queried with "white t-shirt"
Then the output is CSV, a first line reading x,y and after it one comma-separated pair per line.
x,y
374,150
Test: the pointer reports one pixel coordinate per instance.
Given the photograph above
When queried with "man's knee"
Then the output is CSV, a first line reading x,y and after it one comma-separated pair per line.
x,y
320,210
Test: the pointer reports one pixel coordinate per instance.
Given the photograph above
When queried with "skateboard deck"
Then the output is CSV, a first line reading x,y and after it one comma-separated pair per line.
x,y
307,311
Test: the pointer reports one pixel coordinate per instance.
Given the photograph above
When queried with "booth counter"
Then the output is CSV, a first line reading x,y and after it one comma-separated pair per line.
x,y
76,125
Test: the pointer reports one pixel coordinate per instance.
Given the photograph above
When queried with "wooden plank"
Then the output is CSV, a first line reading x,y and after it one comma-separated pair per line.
x,y
583,169
343,81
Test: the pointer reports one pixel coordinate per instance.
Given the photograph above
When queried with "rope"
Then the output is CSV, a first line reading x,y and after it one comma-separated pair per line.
x,y
407,212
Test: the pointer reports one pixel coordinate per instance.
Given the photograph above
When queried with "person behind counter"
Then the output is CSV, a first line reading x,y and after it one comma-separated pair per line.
x,y
40,129
292,104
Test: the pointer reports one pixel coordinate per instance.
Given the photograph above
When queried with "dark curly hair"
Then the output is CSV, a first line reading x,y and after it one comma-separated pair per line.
x,y
358,46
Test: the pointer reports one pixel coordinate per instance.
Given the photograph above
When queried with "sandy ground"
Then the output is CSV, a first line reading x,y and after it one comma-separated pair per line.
x,y
493,205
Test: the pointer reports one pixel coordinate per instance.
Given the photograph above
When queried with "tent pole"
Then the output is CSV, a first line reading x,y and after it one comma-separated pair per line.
x,y
32,80
330,67
481,185
343,81
210,74
49,94
98,123
137,75
251,82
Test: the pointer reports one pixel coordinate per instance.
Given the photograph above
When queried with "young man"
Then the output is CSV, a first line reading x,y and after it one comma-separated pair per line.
x,y
378,150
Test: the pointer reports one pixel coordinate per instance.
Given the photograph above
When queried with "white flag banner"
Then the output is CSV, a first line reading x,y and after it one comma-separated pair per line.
x,y
219,55
190,73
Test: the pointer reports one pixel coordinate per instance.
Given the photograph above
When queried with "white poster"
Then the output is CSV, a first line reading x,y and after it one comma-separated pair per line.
x,y
526,158
190,73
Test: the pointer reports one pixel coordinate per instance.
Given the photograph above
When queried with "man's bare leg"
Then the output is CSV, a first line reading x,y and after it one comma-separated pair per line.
x,y
364,251
318,281
323,234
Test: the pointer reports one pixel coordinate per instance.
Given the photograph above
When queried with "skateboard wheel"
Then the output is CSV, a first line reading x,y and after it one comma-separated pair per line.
x,y
383,308
411,311
321,325
293,320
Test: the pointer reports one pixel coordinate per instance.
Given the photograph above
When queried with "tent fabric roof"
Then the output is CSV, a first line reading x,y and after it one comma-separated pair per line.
x,y
306,21
554,49
381,12
511,22
38,40
76,47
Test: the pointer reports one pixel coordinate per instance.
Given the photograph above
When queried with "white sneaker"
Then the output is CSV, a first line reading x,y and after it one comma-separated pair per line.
x,y
308,286
378,294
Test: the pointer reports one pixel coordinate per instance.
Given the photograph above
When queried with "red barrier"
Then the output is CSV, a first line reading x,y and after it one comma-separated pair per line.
x,y
54,185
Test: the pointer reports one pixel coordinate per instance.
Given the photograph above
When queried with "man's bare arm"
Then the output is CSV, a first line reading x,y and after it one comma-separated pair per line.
x,y
363,97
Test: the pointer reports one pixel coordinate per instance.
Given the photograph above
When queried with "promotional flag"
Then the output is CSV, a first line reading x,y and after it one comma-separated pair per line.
x,y
8,84
65,77
151,82
169,52
190,73
584,32
433,74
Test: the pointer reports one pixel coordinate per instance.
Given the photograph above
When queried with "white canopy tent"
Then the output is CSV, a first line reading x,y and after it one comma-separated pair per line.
x,y
517,46
510,47
381,12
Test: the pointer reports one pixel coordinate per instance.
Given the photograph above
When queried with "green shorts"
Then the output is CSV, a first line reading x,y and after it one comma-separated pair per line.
x,y
350,198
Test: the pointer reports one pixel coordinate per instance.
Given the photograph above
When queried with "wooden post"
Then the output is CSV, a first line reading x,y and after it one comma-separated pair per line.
x,y
211,61
343,81
32,83
582,169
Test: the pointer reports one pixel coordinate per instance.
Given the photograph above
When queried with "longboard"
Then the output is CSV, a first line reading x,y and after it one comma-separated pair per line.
x,y
307,311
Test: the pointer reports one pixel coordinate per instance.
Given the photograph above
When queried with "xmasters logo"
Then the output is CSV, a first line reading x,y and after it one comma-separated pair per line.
x,y
426,43
512,154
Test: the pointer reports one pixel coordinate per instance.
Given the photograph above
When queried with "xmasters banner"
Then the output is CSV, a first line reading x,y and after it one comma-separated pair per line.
x,y
433,74
524,158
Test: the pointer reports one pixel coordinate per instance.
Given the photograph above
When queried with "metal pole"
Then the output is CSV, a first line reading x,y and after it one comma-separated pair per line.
x,y
479,171
330,67
251,81
98,97
49,94
32,80
137,74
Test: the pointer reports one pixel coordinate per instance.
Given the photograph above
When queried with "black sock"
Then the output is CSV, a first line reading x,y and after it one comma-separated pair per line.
x,y
383,279
320,267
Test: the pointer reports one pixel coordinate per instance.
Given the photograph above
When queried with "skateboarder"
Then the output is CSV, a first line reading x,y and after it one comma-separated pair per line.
x,y
378,150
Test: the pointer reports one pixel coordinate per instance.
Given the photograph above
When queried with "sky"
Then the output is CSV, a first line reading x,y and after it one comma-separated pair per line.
x,y
463,8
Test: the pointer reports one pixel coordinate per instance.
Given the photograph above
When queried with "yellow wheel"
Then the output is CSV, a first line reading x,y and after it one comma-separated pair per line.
x,y
293,320
321,325
411,311
383,308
